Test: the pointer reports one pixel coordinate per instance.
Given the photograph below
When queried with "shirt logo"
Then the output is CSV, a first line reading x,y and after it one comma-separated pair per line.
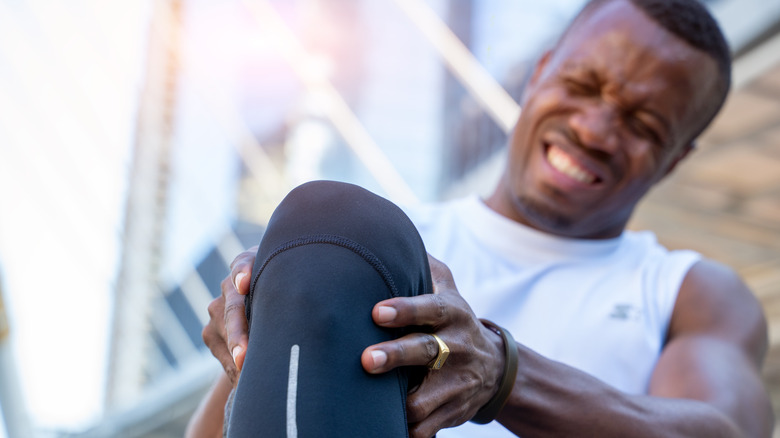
x,y
626,312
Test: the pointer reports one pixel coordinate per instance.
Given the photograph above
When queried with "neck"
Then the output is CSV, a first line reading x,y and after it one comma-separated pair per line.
x,y
502,202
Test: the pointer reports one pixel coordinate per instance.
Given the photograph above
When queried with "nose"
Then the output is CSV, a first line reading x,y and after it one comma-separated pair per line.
x,y
596,127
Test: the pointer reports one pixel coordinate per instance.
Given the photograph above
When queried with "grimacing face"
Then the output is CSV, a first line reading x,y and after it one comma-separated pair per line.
x,y
607,114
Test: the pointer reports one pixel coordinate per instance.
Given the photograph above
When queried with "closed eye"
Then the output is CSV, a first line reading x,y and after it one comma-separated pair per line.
x,y
578,88
642,129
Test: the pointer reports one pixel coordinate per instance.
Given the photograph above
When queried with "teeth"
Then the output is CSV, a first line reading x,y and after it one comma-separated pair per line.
x,y
564,164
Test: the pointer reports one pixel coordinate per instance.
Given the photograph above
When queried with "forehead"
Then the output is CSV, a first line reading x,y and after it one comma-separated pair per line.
x,y
634,55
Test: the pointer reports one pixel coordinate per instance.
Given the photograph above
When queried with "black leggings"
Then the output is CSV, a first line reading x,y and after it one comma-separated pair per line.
x,y
330,253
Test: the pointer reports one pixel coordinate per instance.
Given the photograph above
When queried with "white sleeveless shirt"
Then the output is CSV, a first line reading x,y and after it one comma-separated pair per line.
x,y
602,306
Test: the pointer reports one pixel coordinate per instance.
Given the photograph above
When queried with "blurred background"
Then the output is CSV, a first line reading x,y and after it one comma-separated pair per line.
x,y
143,144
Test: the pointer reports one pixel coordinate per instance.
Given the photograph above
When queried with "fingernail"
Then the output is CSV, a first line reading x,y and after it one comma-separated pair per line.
x,y
236,351
386,314
379,357
240,276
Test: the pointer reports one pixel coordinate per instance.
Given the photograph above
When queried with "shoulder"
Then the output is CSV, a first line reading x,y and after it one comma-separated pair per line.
x,y
714,301
644,245
663,271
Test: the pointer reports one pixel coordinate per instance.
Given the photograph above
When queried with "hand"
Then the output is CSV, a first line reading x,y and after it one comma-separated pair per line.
x,y
470,376
226,334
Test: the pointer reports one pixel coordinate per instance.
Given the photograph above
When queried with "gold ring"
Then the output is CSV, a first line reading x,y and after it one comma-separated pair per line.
x,y
444,351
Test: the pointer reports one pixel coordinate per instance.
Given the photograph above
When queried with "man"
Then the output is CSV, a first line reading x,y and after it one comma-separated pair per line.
x,y
616,335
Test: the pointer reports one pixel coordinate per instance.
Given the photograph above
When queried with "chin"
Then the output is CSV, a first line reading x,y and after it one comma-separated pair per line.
x,y
545,218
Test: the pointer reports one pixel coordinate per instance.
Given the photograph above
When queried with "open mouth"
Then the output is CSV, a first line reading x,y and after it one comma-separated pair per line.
x,y
565,164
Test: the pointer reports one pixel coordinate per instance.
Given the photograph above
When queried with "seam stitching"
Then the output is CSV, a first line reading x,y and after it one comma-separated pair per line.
x,y
328,239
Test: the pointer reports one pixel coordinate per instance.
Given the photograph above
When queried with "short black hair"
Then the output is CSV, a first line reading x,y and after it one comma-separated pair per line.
x,y
690,21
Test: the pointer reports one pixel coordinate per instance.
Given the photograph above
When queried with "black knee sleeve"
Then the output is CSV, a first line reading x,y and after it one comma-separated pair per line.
x,y
330,253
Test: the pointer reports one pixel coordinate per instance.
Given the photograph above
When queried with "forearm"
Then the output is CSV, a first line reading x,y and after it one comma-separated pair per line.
x,y
208,419
551,399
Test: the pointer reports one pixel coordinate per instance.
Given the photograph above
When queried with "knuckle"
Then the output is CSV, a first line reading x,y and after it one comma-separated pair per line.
x,y
431,347
401,353
207,335
213,308
462,414
472,382
226,284
211,336
415,410
235,308
441,306
445,269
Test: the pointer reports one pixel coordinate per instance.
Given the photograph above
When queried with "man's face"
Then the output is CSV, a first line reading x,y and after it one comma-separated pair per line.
x,y
605,116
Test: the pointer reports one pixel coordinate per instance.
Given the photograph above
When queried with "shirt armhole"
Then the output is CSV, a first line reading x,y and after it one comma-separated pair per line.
x,y
671,275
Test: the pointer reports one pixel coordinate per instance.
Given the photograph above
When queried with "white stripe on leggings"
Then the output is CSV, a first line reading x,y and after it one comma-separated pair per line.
x,y
292,393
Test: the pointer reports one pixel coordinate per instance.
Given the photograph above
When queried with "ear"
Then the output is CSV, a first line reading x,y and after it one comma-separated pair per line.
x,y
680,155
537,71
540,65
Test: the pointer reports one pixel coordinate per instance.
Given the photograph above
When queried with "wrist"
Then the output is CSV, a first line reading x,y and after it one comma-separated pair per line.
x,y
491,409
496,373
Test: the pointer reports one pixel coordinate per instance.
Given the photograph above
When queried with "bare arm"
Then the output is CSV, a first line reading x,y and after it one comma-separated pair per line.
x,y
226,332
706,383
718,340
208,419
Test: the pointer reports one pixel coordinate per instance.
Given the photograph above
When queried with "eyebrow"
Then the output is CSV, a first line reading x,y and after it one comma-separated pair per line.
x,y
575,68
578,69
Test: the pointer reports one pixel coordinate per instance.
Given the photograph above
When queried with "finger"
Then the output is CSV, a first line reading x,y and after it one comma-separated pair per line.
x,y
410,350
435,407
218,348
214,337
429,310
436,396
236,329
439,419
241,268
441,276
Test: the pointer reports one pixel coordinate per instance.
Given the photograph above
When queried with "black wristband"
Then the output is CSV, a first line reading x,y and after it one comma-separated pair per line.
x,y
490,411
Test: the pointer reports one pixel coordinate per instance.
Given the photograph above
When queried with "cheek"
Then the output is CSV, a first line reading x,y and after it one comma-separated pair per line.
x,y
546,100
544,104
644,158
645,169
649,163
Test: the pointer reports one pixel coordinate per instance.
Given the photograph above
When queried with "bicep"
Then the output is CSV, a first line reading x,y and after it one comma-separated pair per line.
x,y
716,345
717,373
